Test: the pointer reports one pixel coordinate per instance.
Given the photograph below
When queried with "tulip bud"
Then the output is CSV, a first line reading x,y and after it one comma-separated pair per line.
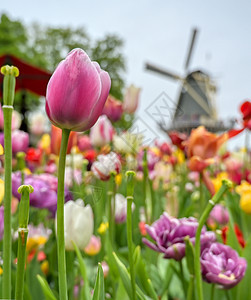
x,y
131,99
9,82
113,109
94,246
76,92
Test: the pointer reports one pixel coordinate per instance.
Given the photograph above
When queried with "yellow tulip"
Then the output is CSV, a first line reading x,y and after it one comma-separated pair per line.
x,y
1,150
45,267
35,242
45,141
217,182
118,179
103,227
1,190
244,190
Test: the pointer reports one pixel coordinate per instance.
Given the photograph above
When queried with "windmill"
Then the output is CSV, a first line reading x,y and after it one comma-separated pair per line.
x,y
196,99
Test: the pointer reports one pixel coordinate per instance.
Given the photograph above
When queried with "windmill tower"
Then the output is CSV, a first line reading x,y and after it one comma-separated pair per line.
x,y
196,101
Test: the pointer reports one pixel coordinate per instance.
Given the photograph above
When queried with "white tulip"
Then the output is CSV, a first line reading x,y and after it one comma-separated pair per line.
x,y
121,208
102,132
78,223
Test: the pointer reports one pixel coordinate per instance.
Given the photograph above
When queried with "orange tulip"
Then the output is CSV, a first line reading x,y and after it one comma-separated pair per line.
x,y
56,136
204,144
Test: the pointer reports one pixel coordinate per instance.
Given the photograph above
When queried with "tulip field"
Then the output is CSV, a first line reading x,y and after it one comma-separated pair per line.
x,y
88,211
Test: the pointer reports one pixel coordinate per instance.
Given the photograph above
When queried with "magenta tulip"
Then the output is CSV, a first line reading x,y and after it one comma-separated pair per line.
x,y
76,92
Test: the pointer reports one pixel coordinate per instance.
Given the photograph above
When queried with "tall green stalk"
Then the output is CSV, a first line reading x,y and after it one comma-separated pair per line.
x,y
145,179
111,208
9,83
23,217
226,184
130,190
60,217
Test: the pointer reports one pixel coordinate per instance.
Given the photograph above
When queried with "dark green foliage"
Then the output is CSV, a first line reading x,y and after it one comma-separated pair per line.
x,y
46,46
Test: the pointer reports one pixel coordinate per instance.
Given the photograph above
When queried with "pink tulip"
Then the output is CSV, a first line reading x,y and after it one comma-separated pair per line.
x,y
84,143
94,246
76,92
102,133
219,214
20,141
131,99
105,268
16,119
113,109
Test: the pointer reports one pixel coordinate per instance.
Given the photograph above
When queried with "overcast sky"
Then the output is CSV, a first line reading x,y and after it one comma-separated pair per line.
x,y
159,32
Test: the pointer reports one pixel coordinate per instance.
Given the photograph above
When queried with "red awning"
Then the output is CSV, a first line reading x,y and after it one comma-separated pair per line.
x,y
30,77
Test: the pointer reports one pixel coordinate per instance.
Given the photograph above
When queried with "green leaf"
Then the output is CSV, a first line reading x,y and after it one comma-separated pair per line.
x,y
99,289
85,293
110,258
136,256
189,255
125,277
144,279
46,288
244,287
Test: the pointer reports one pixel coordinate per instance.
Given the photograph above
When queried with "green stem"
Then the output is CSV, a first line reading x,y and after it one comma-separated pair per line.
x,y
111,209
130,189
201,202
212,291
226,184
190,288
60,217
182,277
21,257
23,217
7,112
70,257
153,201
145,178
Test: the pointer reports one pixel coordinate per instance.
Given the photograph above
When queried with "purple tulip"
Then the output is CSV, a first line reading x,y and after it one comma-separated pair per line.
x,y
221,264
169,235
45,190
1,222
76,92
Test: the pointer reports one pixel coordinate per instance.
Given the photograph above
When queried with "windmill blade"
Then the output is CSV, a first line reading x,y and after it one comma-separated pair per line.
x,y
164,72
191,47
